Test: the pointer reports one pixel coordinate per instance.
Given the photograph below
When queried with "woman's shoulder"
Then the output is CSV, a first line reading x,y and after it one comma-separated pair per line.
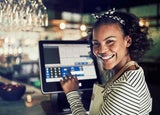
x,y
132,75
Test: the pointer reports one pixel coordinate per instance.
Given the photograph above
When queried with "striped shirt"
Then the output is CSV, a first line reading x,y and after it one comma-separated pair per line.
x,y
128,95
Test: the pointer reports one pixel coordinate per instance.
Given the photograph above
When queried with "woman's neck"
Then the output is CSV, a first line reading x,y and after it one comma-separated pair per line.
x,y
121,64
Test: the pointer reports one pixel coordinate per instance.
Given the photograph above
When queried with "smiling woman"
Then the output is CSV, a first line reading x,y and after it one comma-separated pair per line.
x,y
117,40
111,41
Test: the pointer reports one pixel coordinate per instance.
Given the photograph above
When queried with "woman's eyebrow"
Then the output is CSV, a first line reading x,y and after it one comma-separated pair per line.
x,y
109,37
104,39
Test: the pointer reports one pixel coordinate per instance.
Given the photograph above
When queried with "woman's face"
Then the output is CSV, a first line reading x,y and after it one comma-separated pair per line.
x,y
110,46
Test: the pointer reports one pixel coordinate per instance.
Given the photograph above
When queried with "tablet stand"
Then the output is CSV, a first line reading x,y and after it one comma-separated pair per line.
x,y
58,104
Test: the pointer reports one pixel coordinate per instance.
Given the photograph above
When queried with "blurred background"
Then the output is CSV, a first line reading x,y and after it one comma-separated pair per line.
x,y
24,22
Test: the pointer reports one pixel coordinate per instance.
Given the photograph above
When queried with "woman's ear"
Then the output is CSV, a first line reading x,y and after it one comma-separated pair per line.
x,y
128,40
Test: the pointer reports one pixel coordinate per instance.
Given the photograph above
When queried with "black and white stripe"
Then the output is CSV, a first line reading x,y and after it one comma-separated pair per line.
x,y
129,95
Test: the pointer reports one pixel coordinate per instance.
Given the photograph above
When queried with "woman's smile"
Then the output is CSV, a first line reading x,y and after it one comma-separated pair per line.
x,y
106,57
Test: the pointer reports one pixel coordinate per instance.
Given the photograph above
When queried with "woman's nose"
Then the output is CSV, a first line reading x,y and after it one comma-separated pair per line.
x,y
102,49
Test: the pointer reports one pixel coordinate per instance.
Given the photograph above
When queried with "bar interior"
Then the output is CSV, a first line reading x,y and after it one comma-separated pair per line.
x,y
25,22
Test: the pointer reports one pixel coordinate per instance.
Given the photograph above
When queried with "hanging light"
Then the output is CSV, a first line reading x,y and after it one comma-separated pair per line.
x,y
22,15
144,22
83,27
62,25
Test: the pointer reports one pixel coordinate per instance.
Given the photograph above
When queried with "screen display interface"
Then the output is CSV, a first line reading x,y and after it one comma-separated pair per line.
x,y
62,59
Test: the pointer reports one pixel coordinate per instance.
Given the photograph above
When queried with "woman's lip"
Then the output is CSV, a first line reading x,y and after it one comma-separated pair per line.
x,y
105,57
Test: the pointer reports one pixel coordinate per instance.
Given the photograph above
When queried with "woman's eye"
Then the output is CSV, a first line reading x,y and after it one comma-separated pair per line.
x,y
109,41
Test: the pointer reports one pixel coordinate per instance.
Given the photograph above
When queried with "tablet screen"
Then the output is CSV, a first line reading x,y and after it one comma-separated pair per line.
x,y
58,59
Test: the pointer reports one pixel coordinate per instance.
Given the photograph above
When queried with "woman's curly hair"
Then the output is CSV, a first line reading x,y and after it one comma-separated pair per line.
x,y
140,42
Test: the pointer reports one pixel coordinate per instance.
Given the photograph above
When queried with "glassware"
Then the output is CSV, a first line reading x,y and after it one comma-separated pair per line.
x,y
22,15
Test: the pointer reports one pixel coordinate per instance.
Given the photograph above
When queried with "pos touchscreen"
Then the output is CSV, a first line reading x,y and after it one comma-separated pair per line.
x,y
59,58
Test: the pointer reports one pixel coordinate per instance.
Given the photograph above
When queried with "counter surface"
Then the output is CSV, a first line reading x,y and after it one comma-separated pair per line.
x,y
22,107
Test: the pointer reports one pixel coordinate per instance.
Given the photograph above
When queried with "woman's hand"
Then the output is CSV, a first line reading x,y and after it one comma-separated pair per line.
x,y
69,84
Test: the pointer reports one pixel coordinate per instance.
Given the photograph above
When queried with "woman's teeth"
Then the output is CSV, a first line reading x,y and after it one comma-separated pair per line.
x,y
106,57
